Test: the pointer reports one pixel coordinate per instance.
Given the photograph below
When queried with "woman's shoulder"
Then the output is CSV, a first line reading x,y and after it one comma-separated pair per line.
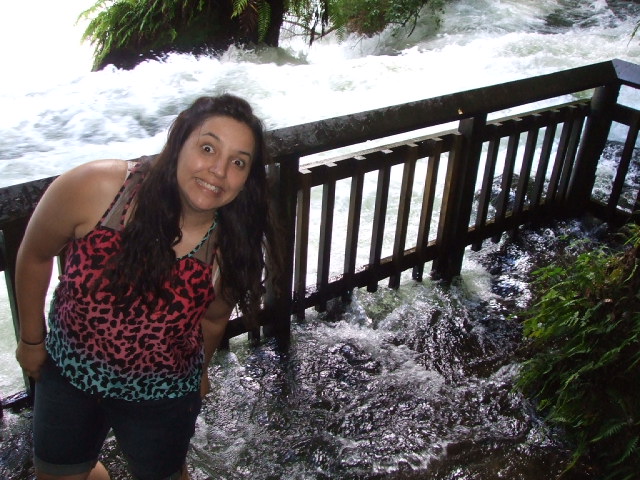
x,y
90,187
78,197
99,171
94,179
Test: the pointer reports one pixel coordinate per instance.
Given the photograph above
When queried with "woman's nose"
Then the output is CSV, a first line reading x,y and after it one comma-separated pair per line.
x,y
218,167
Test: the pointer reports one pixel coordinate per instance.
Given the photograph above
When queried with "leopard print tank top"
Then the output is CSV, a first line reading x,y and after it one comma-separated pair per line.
x,y
131,353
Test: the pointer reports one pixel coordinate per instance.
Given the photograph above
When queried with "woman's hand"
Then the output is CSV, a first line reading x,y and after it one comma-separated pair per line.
x,y
31,358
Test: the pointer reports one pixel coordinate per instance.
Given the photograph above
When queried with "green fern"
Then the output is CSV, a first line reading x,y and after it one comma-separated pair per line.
x,y
264,19
585,329
239,6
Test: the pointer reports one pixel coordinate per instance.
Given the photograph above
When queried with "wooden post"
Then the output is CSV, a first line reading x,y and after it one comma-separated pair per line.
x,y
458,198
593,142
278,298
10,239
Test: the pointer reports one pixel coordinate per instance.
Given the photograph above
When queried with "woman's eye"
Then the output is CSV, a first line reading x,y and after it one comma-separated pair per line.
x,y
207,148
238,162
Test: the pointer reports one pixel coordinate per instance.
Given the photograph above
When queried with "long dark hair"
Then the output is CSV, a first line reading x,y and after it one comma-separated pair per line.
x,y
245,226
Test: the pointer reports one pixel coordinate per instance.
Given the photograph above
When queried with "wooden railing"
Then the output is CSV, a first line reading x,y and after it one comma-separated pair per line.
x,y
377,207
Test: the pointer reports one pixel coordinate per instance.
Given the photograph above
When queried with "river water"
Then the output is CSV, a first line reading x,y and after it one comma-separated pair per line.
x,y
408,384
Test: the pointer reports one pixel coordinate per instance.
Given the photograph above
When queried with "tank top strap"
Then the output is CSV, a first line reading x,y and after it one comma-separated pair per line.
x,y
115,215
205,251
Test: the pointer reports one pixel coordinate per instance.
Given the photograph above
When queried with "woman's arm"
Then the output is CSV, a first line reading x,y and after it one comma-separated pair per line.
x,y
70,208
213,325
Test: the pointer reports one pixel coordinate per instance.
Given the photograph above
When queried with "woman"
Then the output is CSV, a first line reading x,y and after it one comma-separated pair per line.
x,y
158,251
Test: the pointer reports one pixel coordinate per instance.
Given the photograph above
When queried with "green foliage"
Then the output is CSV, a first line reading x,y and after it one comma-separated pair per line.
x,y
585,372
369,17
146,24
255,15
142,26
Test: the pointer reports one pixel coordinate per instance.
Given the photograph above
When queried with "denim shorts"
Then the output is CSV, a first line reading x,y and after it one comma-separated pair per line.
x,y
70,426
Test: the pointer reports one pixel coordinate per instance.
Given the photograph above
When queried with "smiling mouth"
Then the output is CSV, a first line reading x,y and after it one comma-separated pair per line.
x,y
208,186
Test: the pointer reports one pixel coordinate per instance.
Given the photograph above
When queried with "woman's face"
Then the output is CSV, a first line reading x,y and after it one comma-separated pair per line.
x,y
214,163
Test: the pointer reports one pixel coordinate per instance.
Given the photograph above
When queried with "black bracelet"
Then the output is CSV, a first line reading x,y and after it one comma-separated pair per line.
x,y
30,343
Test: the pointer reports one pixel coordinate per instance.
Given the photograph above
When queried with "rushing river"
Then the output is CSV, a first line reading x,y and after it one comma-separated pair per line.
x,y
409,384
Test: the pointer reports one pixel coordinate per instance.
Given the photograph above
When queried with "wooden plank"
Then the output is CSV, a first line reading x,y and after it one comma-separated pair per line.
x,y
543,163
302,244
570,158
404,210
18,201
502,202
326,235
379,219
623,165
458,199
365,277
353,222
426,212
525,170
561,152
322,135
486,189
594,140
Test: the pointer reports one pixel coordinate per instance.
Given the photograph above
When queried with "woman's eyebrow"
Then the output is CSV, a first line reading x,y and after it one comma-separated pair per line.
x,y
211,134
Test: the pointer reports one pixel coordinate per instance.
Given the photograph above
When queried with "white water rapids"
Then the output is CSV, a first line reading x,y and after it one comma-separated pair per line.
x,y
56,113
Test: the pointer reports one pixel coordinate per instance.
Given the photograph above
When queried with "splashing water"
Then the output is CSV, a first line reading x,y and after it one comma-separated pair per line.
x,y
414,383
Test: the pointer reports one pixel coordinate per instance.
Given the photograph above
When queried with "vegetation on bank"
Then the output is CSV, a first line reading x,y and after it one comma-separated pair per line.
x,y
585,368
124,32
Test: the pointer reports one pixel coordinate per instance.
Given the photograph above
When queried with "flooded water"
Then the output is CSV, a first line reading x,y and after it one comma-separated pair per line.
x,y
408,384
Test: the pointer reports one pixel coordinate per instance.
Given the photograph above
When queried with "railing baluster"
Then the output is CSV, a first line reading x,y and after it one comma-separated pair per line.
x,y
561,152
404,209
623,166
326,234
426,212
487,184
379,218
502,202
302,243
353,225
525,169
543,163
570,157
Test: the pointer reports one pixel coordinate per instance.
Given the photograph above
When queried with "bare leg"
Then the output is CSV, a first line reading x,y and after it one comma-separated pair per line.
x,y
185,473
99,472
